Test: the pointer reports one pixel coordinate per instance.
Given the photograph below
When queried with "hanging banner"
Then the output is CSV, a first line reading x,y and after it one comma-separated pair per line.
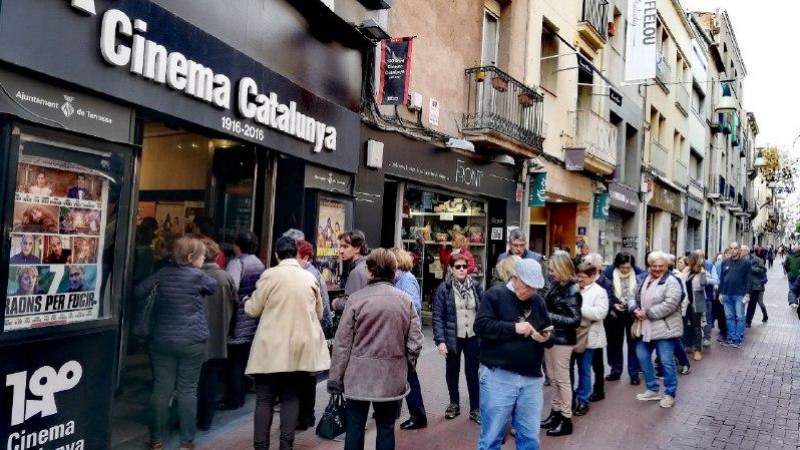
x,y
538,190
602,203
573,159
640,63
395,71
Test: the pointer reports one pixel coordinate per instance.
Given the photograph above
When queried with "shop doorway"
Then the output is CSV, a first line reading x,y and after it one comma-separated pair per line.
x,y
188,183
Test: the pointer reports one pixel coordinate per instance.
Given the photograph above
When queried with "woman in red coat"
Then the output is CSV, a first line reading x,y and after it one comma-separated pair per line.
x,y
461,246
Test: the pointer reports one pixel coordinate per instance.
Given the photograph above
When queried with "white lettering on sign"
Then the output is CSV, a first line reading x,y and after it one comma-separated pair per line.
x,y
467,175
84,6
44,383
24,440
123,44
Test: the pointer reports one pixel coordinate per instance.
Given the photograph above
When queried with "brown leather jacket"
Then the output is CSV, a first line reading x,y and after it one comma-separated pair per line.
x,y
379,338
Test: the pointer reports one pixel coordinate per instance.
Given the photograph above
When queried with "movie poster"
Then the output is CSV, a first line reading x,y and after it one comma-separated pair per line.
x,y
171,219
332,216
60,210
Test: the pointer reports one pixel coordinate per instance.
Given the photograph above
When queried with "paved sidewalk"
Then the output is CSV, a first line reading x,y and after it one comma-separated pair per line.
x,y
733,399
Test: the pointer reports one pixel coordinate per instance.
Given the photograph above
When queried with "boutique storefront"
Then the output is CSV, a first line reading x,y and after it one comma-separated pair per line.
x,y
664,219
620,230
128,110
432,198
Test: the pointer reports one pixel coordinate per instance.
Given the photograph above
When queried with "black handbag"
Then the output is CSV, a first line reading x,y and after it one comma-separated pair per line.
x,y
333,420
143,325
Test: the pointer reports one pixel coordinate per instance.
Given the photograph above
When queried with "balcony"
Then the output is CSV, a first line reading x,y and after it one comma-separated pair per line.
x,y
681,174
502,113
682,99
593,27
659,158
663,71
751,207
598,136
717,188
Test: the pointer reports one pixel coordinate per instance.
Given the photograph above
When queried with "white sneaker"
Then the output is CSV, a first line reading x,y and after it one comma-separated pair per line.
x,y
648,396
794,305
667,402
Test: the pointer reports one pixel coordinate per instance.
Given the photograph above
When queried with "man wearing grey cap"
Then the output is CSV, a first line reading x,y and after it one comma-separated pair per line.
x,y
513,327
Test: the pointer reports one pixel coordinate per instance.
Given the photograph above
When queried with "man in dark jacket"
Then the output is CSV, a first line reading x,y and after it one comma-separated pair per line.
x,y
757,294
512,324
517,246
353,250
791,266
735,284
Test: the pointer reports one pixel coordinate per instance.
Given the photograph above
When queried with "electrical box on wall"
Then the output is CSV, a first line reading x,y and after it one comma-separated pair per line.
x,y
415,101
374,154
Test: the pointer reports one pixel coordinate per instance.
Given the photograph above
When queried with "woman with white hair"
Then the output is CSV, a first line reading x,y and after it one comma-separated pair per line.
x,y
657,306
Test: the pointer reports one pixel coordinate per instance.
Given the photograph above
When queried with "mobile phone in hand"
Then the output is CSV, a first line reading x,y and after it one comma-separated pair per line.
x,y
546,330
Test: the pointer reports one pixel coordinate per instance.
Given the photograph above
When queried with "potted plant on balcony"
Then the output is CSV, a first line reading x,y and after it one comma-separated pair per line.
x,y
480,71
527,99
499,83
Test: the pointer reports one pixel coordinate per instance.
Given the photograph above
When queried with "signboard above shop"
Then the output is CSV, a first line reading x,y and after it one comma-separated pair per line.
x,y
186,73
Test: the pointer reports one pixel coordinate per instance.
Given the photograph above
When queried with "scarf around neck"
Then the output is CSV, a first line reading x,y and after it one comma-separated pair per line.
x,y
464,288
630,278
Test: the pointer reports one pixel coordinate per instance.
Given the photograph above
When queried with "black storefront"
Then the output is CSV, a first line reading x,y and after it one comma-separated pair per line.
x,y
130,109
428,194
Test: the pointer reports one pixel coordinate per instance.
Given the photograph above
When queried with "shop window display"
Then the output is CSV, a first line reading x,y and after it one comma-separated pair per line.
x,y
436,224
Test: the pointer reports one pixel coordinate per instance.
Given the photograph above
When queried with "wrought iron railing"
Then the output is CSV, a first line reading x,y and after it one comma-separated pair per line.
x,y
595,133
498,102
681,173
659,158
595,13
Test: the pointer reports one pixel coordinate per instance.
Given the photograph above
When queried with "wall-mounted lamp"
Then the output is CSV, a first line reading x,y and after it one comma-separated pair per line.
x,y
760,162
726,104
506,160
372,30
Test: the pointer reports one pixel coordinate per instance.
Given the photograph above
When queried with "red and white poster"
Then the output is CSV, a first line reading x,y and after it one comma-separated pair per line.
x,y
395,71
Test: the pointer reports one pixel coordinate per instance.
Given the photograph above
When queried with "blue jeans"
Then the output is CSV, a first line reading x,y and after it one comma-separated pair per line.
x,y
709,319
585,376
735,316
665,350
505,395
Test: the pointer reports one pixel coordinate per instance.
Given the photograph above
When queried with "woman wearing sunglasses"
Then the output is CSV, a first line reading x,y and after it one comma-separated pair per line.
x,y
454,312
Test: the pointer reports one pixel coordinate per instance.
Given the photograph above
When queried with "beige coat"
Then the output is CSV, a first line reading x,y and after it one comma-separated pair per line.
x,y
289,337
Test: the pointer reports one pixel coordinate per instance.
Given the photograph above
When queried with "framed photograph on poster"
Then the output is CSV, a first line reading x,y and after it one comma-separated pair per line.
x,y
170,217
26,249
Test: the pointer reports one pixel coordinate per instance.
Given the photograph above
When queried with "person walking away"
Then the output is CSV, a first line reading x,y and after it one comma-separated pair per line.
x,y
657,306
454,310
593,311
757,293
220,307
178,339
618,322
512,324
711,286
289,343
736,282
379,338
405,281
563,304
696,279
770,256
791,266
245,269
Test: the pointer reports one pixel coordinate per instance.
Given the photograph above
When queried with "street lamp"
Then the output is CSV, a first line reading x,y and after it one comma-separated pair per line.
x,y
760,161
726,104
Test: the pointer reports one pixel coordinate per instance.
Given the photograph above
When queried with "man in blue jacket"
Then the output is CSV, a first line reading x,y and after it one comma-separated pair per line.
x,y
735,284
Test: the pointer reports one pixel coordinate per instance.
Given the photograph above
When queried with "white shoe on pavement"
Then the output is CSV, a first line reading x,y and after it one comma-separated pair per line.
x,y
649,396
794,305
667,402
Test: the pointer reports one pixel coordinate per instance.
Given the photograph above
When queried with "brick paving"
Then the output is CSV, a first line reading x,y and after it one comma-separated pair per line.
x,y
733,399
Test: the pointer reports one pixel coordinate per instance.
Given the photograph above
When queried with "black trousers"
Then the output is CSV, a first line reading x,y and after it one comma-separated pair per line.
x,y
285,385
386,414
235,381
207,388
756,299
618,333
308,398
599,369
469,346
416,407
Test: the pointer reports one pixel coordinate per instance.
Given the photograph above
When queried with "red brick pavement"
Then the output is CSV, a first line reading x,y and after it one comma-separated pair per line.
x,y
733,399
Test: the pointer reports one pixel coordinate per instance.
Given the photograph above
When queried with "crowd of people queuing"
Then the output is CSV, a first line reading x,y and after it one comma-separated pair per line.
x,y
543,322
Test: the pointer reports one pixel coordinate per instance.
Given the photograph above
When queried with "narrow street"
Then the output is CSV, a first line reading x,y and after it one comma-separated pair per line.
x,y
732,399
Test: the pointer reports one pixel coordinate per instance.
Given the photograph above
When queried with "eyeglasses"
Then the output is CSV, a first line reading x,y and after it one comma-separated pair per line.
x,y
459,266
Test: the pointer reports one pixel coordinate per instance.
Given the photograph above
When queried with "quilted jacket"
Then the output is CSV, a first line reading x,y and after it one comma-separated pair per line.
x,y
444,322
179,313
665,313
245,271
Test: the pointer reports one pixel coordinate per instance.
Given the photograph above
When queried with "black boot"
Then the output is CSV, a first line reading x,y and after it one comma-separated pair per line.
x,y
564,428
552,420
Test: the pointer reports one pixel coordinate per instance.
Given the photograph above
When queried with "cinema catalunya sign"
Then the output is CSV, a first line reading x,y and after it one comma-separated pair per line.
x,y
152,61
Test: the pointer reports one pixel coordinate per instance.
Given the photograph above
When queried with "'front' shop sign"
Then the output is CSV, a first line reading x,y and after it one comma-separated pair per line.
x,y
155,62
140,53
